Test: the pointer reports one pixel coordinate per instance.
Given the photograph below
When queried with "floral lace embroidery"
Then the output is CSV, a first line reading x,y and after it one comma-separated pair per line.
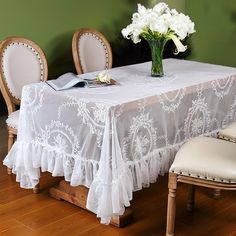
x,y
59,136
92,114
171,104
198,119
141,139
222,87
231,114
33,98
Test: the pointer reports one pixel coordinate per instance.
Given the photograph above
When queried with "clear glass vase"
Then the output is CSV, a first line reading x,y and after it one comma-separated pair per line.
x,y
157,48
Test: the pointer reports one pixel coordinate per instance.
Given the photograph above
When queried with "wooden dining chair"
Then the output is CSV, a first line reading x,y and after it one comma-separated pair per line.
x,y
229,133
203,161
91,51
21,62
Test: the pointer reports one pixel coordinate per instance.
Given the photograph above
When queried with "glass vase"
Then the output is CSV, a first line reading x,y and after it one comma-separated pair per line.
x,y
157,48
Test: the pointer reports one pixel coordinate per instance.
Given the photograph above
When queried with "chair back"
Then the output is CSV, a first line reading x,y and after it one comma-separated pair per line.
x,y
22,62
91,51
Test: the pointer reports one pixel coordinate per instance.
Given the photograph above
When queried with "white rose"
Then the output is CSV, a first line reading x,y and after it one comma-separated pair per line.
x,y
126,32
174,12
182,25
157,27
135,17
191,27
141,24
161,24
141,9
136,39
160,8
104,77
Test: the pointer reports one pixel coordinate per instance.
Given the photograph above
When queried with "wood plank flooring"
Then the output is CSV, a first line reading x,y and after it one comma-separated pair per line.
x,y
23,213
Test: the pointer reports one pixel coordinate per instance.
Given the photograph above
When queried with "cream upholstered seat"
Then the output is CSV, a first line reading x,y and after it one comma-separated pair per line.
x,y
91,51
202,161
208,159
229,133
12,120
21,62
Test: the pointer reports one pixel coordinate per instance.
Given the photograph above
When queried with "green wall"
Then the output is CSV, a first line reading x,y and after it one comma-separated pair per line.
x,y
215,39
51,24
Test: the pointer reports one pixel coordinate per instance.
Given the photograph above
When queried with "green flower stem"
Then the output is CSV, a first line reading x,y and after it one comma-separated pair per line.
x,y
157,43
157,47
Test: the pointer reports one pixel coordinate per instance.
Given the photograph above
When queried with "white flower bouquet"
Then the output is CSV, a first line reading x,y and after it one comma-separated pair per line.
x,y
160,24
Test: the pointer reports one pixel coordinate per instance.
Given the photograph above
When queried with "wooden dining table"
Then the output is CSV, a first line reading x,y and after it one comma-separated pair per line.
x,y
117,139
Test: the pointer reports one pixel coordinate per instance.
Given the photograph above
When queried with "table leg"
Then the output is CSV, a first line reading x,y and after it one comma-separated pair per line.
x,y
191,198
78,196
36,189
216,194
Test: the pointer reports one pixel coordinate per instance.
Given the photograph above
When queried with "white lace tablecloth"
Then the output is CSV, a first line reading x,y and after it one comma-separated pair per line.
x,y
118,139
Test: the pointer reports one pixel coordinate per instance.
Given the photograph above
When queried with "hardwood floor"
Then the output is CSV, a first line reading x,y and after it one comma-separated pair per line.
x,y
23,213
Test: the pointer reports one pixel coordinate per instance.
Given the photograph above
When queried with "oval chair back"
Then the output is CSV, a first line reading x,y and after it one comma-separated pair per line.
x,y
21,62
91,51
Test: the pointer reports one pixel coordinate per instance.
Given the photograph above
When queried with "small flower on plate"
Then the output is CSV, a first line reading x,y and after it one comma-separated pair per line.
x,y
104,77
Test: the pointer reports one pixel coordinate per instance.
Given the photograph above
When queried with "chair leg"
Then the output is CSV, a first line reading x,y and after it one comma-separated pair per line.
x,y
216,193
171,208
10,143
191,198
10,140
36,189
9,171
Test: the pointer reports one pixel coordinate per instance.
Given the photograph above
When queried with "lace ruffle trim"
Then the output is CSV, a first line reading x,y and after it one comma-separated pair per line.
x,y
107,199
27,159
